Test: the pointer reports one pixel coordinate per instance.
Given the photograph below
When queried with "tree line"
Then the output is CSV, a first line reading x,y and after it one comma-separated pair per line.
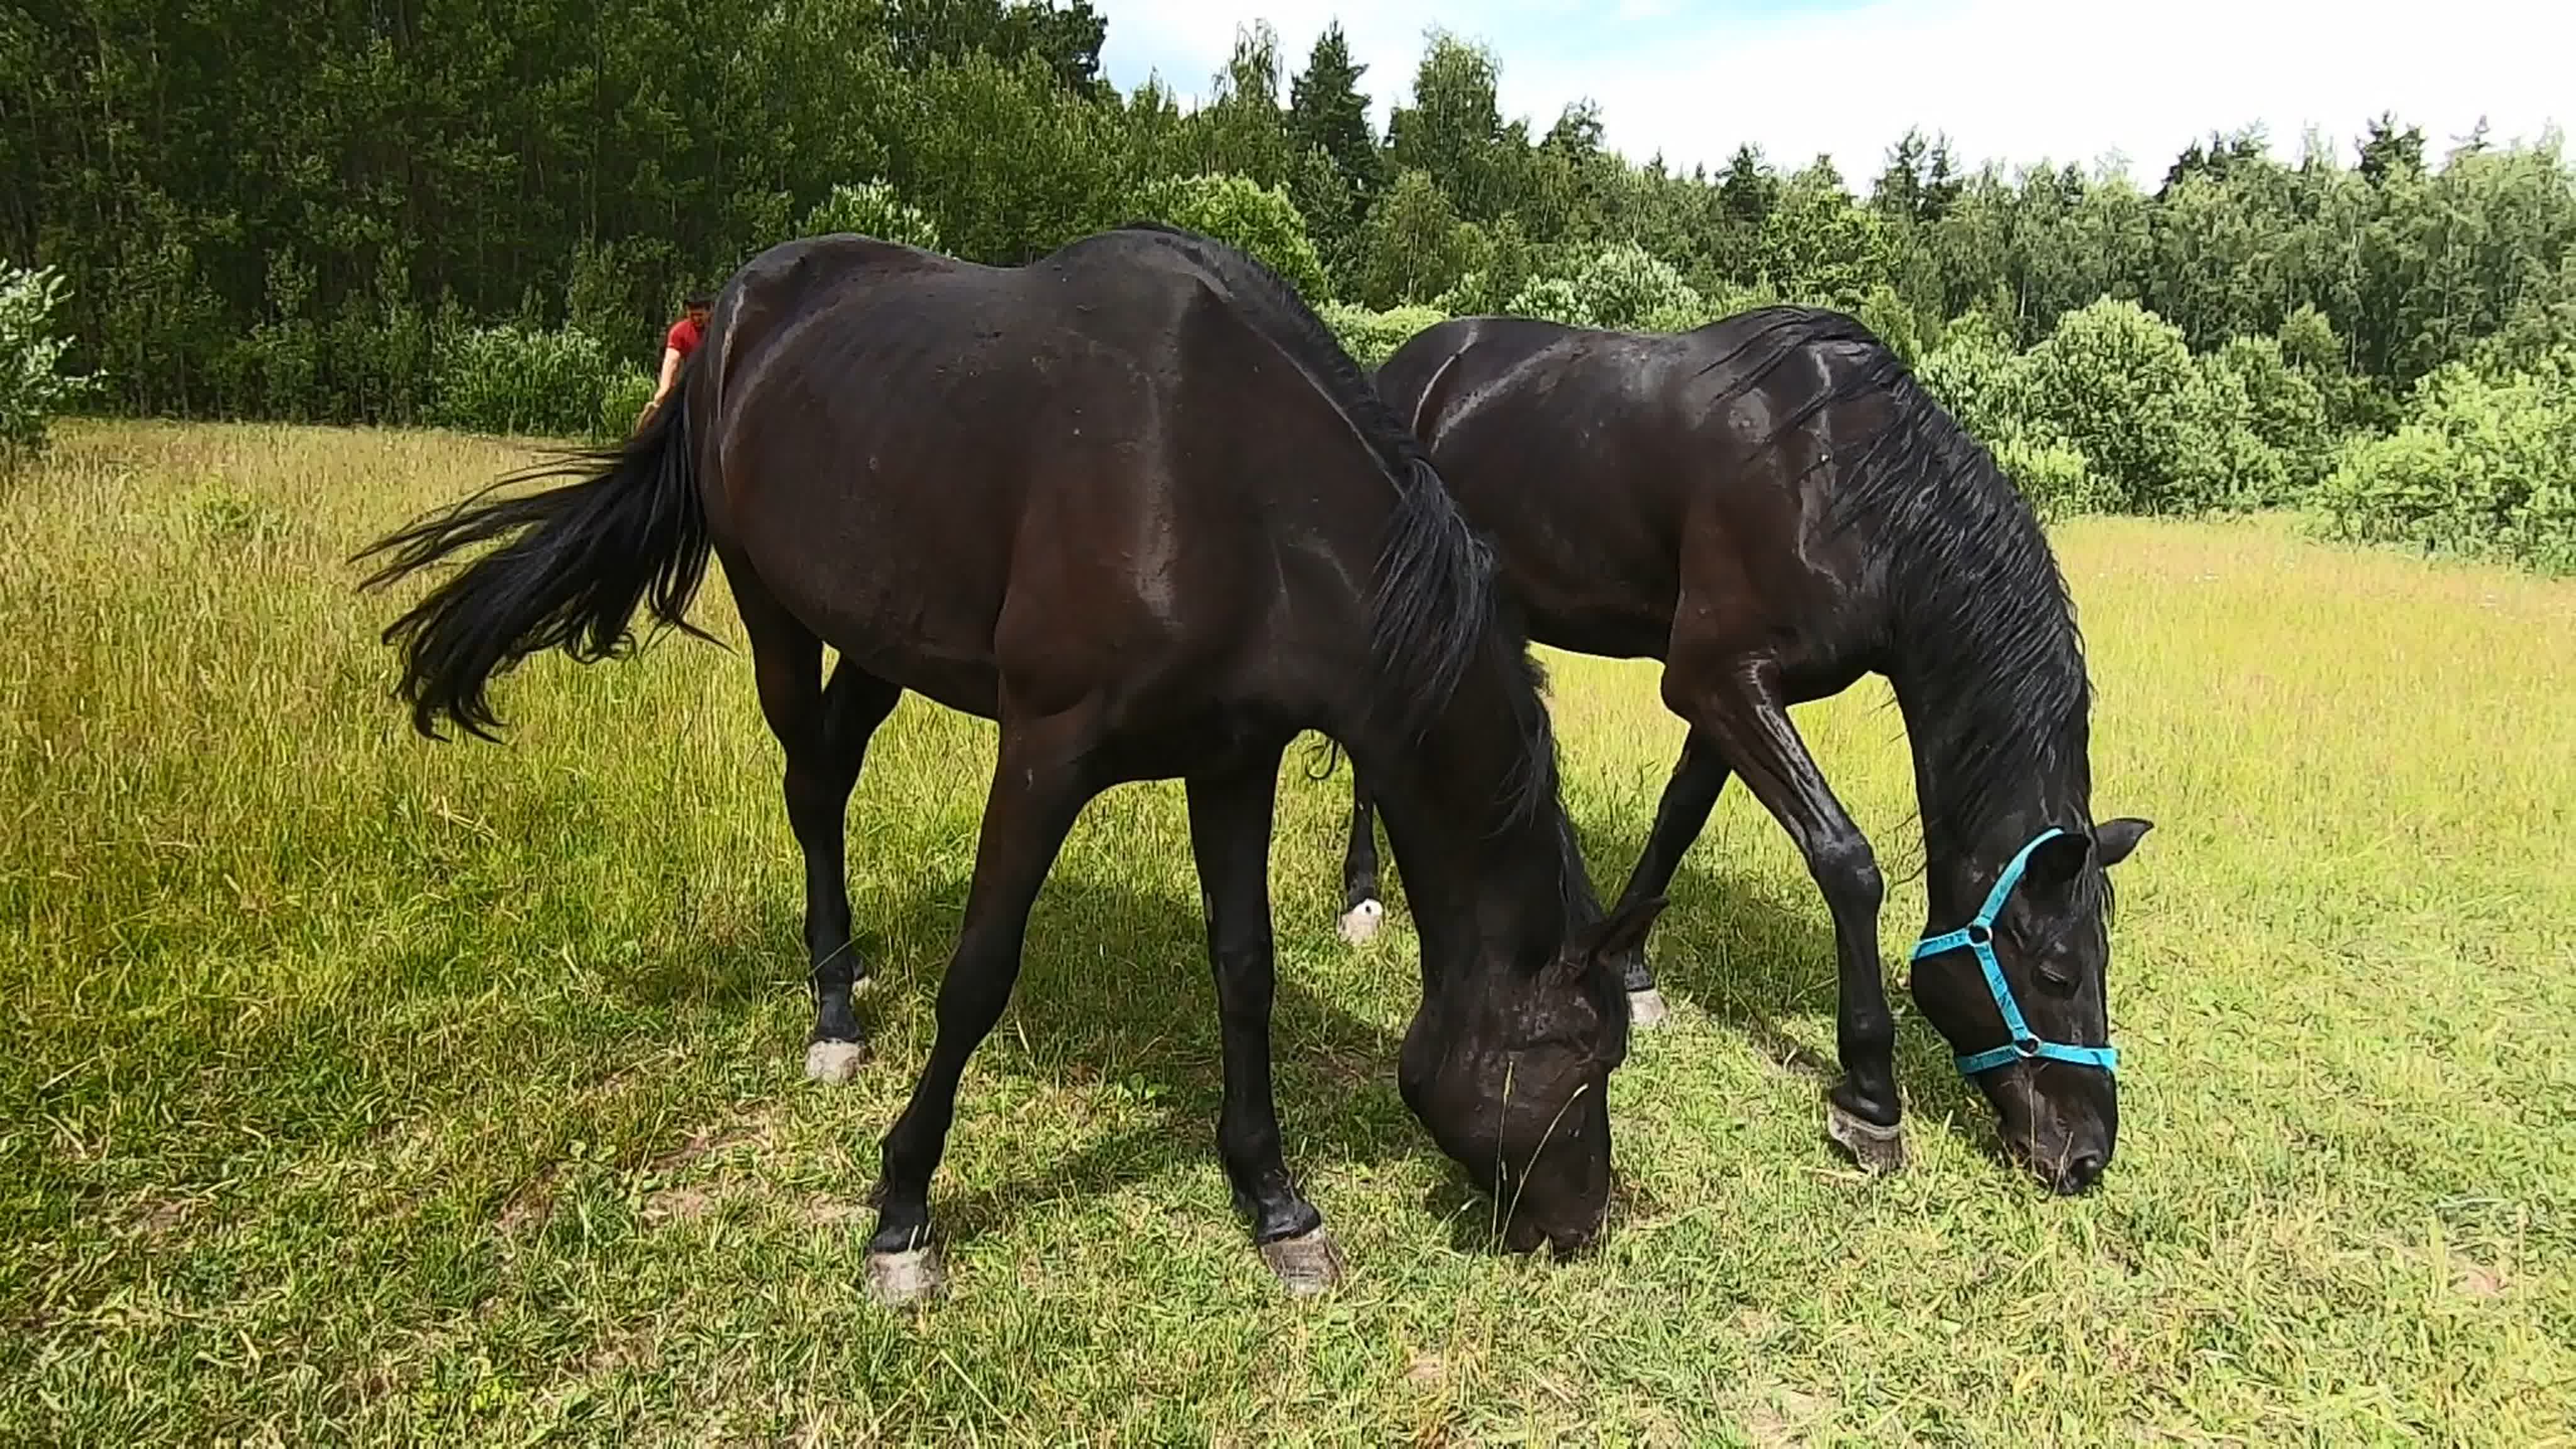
x,y
356,210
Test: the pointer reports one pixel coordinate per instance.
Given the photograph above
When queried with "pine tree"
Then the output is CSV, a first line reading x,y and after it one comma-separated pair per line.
x,y
1327,113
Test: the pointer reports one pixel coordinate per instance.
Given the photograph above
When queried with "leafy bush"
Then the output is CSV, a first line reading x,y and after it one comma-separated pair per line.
x,y
522,381
1978,377
1372,337
872,208
1244,214
2117,382
622,403
1985,385
1622,286
2053,475
2484,467
2285,409
33,387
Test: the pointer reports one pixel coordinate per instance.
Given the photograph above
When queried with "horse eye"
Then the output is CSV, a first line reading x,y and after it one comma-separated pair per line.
x,y
2058,972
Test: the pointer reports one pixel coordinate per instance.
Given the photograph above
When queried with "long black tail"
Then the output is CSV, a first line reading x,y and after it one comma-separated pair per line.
x,y
574,563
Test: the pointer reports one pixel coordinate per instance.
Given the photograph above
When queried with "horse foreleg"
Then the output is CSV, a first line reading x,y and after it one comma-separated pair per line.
x,y
1230,820
1737,702
1038,788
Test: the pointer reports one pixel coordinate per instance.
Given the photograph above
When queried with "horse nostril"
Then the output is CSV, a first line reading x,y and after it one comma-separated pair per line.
x,y
2082,1171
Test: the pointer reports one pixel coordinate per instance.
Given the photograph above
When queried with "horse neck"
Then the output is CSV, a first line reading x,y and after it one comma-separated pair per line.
x,y
1488,860
1997,714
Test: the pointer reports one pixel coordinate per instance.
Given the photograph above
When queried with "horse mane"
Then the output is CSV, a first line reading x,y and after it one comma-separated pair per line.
x,y
1435,603
1988,659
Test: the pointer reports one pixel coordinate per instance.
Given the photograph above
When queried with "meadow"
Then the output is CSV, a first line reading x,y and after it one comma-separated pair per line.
x,y
356,1088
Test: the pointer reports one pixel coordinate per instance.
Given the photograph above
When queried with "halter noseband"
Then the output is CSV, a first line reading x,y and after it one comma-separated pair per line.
x,y
1979,936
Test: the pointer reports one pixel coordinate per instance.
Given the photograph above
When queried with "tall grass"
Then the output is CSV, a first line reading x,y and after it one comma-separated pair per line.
x,y
356,1087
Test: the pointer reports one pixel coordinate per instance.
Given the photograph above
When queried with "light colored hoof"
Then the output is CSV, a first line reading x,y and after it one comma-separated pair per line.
x,y
1646,1009
898,1280
834,1062
1305,1265
1361,922
1879,1150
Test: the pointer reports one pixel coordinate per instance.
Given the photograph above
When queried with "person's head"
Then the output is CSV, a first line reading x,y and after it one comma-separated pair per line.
x,y
700,304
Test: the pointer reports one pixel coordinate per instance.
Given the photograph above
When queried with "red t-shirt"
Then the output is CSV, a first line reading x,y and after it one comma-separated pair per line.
x,y
683,337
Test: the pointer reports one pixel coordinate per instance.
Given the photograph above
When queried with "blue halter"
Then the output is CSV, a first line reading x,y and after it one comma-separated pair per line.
x,y
1979,936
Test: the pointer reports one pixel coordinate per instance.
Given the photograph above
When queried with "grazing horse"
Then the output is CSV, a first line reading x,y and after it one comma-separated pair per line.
x,y
1772,507
1132,502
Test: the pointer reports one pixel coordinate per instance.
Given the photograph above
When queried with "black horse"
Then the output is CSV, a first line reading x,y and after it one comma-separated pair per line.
x,y
1773,507
1134,503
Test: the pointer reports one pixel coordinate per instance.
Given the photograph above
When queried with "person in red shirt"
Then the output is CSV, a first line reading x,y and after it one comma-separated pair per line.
x,y
677,344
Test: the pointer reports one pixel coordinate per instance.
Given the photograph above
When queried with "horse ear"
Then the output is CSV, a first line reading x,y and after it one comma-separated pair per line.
x,y
1618,935
2058,861
2114,839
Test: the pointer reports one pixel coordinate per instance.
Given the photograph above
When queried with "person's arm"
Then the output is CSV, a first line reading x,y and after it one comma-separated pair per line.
x,y
662,389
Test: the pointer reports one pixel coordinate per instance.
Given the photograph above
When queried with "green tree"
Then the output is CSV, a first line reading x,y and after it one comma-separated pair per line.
x,y
1257,219
1327,112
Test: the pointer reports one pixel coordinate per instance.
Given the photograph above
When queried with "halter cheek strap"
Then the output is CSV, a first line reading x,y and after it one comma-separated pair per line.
x,y
1979,936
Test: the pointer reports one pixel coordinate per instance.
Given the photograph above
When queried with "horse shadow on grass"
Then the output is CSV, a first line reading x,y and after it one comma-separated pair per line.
x,y
1751,961
1115,994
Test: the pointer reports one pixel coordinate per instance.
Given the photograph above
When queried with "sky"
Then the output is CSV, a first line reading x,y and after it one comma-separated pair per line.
x,y
2118,82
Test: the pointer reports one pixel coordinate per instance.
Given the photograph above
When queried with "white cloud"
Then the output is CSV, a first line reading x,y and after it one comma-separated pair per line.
x,y
2019,80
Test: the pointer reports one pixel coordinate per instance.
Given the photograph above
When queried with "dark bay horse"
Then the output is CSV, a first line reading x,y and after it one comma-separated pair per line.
x,y
1134,503
1773,507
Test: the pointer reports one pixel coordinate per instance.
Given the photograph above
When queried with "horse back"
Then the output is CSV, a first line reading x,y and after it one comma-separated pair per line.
x,y
1559,445
1086,482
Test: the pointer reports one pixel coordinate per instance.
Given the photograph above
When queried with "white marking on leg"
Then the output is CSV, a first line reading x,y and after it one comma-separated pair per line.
x,y
1360,923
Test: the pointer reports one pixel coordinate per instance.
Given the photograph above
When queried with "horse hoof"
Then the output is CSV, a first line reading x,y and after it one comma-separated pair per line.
x,y
1306,1264
1879,1150
834,1062
1360,922
896,1280
1646,1009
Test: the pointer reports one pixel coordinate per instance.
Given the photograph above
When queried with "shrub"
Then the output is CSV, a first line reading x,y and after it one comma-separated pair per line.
x,y
2116,381
2284,408
1985,385
872,208
2483,466
1246,215
519,380
2053,475
1978,377
622,402
33,386
1622,286
1372,337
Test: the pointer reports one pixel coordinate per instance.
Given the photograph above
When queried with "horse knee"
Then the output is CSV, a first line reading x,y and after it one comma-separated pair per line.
x,y
1846,870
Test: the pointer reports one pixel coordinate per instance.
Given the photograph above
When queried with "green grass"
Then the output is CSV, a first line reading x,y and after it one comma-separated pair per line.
x,y
357,1088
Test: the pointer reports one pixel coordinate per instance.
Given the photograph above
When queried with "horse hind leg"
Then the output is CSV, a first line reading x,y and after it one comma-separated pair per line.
x,y
1362,911
1698,776
824,733
854,704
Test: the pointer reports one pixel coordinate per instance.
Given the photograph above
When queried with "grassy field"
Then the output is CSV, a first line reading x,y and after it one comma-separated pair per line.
x,y
357,1088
